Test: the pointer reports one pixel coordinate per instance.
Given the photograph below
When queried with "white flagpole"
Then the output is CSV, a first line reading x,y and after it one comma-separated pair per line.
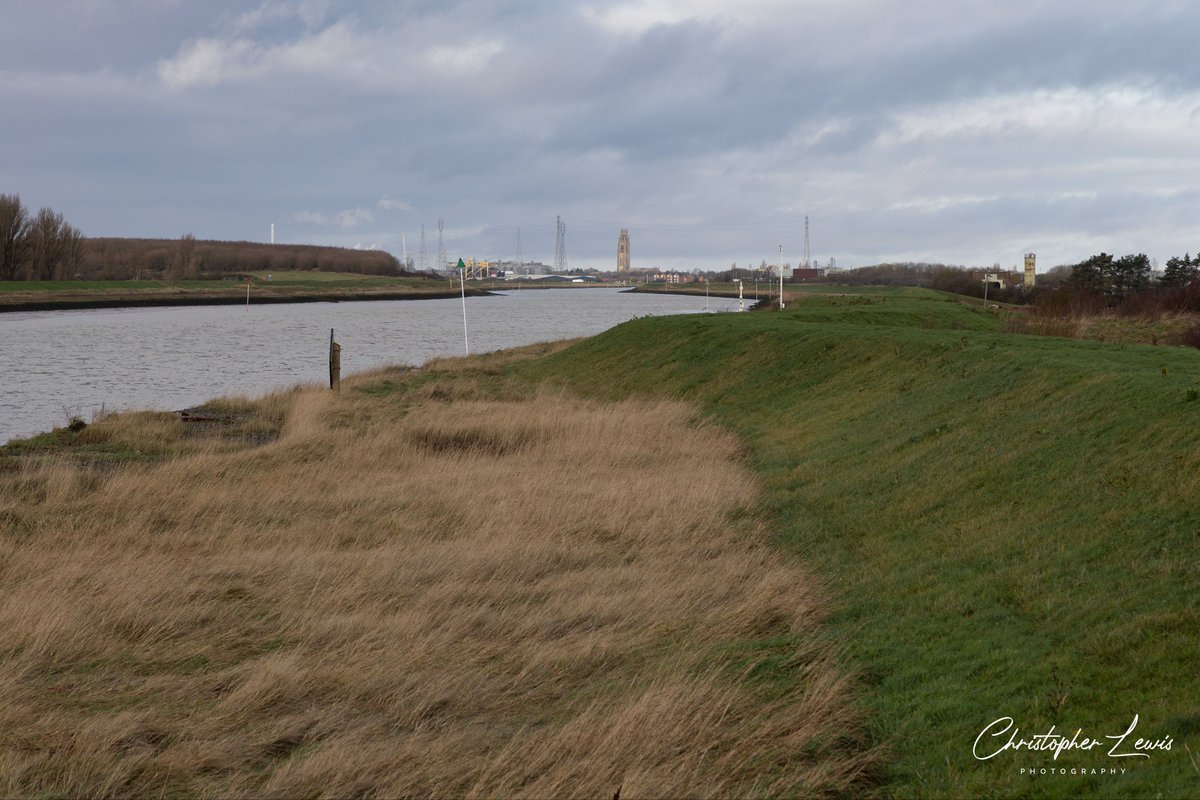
x,y
462,277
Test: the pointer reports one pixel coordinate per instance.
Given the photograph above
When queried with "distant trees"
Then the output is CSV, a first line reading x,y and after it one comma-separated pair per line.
x,y
1180,272
1126,284
184,264
14,221
1130,275
190,258
1089,275
930,276
942,277
1054,277
44,246
54,250
1113,278
40,248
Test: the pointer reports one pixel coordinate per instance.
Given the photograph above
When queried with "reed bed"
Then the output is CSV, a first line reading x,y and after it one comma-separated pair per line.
x,y
415,590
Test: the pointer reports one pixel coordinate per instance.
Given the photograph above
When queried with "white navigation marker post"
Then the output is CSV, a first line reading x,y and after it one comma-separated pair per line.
x,y
781,277
462,275
741,301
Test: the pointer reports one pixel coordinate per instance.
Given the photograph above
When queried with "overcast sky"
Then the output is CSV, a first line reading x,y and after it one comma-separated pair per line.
x,y
961,132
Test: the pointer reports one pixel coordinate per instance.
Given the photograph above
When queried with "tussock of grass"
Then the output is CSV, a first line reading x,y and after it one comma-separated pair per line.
x,y
415,595
145,430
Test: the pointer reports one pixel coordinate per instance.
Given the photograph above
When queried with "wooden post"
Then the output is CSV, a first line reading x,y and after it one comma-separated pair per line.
x,y
335,363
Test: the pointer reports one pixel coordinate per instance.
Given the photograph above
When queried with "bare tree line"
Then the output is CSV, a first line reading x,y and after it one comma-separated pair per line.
x,y
38,247
43,246
189,258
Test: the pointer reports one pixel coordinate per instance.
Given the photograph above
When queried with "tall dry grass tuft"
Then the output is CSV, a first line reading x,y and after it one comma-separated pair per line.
x,y
1042,325
146,430
408,595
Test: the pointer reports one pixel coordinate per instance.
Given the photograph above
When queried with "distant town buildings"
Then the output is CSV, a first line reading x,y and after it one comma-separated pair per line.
x,y
513,268
675,277
997,278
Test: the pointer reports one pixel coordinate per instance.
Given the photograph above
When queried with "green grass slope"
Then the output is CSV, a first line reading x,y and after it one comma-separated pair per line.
x,y
1010,523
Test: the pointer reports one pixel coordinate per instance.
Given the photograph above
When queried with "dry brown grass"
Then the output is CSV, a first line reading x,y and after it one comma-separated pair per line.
x,y
415,592
1158,328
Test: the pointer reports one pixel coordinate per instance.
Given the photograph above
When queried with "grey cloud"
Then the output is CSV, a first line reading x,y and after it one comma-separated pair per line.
x,y
741,123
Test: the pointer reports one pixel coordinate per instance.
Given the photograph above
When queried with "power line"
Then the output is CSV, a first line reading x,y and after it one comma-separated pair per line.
x,y
441,245
560,246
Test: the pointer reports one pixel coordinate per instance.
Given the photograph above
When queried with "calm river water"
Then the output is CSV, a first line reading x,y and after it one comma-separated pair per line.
x,y
58,364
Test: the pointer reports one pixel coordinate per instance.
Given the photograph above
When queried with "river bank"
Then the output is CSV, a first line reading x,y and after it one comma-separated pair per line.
x,y
78,363
357,623
1006,524
696,289
235,294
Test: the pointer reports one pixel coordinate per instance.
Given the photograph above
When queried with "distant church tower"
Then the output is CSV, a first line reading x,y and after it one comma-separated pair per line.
x,y
623,251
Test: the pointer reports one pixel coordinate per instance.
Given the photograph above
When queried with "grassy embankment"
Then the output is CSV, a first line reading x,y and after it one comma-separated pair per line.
x,y
440,582
1009,523
283,287
1012,522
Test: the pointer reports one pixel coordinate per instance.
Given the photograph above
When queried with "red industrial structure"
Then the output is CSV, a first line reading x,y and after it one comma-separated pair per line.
x,y
807,274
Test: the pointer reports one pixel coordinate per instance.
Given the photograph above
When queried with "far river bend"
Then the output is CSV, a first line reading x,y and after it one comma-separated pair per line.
x,y
60,364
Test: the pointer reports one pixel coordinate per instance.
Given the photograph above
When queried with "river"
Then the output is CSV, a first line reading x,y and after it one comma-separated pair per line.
x,y
62,364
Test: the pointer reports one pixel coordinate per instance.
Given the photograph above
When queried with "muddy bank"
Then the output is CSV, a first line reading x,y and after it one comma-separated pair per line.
x,y
151,298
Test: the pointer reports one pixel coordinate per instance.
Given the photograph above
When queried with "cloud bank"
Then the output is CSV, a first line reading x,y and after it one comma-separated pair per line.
x,y
961,133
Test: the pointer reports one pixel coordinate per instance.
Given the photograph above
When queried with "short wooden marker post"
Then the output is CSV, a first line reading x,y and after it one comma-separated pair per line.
x,y
335,363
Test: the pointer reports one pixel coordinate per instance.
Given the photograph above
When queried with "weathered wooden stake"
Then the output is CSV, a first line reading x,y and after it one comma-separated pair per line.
x,y
335,363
